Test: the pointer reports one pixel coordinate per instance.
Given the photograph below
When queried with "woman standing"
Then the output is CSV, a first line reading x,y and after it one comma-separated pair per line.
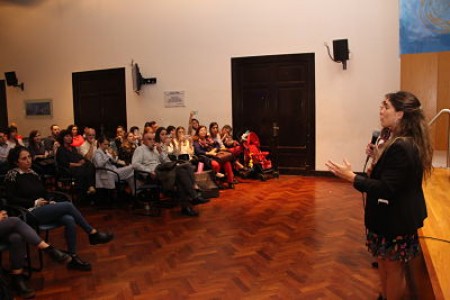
x,y
395,206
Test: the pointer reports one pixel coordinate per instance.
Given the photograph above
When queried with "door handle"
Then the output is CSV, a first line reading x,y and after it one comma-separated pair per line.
x,y
275,129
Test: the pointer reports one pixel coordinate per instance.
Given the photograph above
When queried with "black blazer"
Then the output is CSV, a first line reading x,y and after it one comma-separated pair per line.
x,y
395,203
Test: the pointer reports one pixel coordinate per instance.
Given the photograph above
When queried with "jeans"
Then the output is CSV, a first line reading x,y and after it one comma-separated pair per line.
x,y
66,214
15,232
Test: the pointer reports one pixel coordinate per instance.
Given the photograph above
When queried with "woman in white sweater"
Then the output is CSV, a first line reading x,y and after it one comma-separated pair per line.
x,y
103,159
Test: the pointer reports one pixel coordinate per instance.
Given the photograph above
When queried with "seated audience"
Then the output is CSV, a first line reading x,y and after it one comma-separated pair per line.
x,y
77,138
215,135
127,149
25,189
13,138
206,149
4,150
43,163
89,146
118,140
69,160
16,233
232,145
149,155
162,139
193,124
19,137
148,128
181,143
171,130
103,159
51,142
137,135
153,125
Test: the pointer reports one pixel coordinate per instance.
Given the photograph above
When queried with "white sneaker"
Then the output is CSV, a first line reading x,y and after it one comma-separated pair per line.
x,y
220,175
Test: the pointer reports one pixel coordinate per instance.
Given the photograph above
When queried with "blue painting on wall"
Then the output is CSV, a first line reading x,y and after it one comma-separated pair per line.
x,y
424,26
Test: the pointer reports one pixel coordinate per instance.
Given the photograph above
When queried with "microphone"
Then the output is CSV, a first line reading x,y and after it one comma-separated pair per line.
x,y
375,136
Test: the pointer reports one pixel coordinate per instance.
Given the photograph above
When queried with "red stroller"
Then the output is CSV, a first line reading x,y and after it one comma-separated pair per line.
x,y
255,159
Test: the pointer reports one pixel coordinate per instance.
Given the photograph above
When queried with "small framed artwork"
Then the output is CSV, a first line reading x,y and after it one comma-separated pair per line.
x,y
41,108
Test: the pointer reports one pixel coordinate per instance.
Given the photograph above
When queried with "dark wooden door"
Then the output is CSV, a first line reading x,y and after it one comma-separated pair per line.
x,y
3,106
99,100
275,97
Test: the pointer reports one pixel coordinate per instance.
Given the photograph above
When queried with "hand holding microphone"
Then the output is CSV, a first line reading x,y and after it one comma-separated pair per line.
x,y
370,150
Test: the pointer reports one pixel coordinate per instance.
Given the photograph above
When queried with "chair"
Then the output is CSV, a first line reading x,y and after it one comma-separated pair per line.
x,y
31,220
65,182
113,194
146,194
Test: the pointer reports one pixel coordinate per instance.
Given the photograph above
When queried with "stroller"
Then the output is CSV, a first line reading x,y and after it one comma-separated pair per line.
x,y
255,159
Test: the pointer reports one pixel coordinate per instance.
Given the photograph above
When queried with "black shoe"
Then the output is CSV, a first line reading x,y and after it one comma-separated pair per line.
x,y
57,255
231,185
380,297
188,211
199,200
19,284
100,238
77,264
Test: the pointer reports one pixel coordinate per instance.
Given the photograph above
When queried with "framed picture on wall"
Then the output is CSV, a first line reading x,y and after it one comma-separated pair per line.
x,y
40,108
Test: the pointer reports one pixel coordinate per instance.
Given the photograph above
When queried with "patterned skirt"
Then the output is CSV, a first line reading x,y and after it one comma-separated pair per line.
x,y
401,248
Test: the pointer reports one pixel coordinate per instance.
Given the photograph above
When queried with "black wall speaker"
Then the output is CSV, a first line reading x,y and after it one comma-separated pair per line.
x,y
11,78
340,50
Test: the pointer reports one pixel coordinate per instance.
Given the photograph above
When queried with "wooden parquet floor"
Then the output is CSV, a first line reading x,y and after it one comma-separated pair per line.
x,y
289,238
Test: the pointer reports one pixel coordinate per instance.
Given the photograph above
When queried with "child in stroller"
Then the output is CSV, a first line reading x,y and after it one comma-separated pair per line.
x,y
255,159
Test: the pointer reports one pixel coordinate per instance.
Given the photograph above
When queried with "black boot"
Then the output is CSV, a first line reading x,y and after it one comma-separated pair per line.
x,y
19,284
100,238
77,264
199,200
57,255
188,211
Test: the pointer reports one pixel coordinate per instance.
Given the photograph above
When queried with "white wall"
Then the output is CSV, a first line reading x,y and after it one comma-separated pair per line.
x,y
188,44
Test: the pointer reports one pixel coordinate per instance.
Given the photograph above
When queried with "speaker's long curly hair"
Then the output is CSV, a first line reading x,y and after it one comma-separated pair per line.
x,y
413,125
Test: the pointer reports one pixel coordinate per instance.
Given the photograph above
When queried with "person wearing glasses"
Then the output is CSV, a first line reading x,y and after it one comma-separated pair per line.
x,y
103,158
150,154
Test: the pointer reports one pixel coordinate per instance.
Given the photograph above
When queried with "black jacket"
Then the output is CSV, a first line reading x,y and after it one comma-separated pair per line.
x,y
395,201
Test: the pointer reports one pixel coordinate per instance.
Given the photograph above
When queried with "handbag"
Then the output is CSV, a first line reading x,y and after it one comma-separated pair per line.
x,y
223,156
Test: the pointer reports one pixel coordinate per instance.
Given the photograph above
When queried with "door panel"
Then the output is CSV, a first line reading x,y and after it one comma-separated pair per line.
x,y
99,100
278,90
